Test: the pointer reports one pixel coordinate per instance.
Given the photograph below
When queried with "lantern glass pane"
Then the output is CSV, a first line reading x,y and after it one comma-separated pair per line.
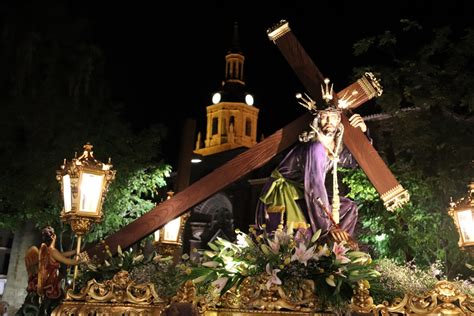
x,y
67,193
156,235
91,192
171,230
466,225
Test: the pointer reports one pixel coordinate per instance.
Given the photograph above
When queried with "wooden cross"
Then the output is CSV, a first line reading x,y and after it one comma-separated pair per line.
x,y
246,162
391,192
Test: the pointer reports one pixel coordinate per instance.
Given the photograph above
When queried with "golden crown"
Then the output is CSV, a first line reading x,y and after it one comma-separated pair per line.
x,y
327,92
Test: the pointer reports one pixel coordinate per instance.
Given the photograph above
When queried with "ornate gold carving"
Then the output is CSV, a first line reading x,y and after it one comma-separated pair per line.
x,y
167,249
83,257
187,293
246,312
371,85
69,308
80,225
361,301
395,197
445,299
253,294
121,289
278,30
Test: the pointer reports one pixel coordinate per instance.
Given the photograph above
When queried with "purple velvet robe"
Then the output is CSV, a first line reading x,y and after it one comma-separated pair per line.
x,y
308,163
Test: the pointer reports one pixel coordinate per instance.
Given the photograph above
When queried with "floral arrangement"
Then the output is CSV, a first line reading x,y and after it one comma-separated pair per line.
x,y
282,261
153,268
286,258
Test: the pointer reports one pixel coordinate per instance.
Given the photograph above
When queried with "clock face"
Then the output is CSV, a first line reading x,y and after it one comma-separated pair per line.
x,y
216,98
249,99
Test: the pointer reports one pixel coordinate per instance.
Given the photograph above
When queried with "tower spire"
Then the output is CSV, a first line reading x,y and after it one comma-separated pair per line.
x,y
235,48
235,60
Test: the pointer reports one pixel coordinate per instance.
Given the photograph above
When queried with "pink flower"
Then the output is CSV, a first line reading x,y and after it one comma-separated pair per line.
x,y
273,276
274,245
340,251
303,235
302,254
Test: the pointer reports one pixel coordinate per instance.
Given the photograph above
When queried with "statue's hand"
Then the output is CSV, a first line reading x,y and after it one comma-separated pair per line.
x,y
357,121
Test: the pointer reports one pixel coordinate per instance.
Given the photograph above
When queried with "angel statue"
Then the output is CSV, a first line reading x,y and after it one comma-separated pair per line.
x,y
44,278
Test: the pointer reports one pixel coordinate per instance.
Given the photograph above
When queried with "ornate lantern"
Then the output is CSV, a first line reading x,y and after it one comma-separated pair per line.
x,y
168,239
462,212
84,184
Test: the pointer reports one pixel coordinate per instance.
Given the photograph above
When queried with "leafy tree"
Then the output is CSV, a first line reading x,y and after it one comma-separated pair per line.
x,y
427,140
54,98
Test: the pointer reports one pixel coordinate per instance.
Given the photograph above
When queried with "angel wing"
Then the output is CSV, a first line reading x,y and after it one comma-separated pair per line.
x,y
32,261
43,257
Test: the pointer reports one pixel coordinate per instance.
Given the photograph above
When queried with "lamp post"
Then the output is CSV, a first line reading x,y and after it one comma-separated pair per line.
x,y
462,212
169,238
84,184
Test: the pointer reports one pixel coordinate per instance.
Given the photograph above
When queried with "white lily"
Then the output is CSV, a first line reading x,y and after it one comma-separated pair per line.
x,y
323,251
211,264
330,280
220,283
138,259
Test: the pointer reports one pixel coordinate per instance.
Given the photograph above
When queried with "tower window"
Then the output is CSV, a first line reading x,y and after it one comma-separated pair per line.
x,y
232,121
214,126
248,127
224,128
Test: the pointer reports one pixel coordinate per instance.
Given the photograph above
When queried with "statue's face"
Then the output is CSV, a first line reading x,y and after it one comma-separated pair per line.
x,y
329,122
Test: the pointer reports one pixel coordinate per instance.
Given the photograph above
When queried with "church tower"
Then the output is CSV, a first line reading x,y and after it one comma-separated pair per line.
x,y
232,118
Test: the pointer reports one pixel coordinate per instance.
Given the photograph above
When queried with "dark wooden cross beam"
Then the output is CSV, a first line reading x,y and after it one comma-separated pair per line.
x,y
212,183
391,192
202,189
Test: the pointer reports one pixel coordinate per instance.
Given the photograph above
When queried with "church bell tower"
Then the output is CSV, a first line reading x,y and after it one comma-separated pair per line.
x,y
232,118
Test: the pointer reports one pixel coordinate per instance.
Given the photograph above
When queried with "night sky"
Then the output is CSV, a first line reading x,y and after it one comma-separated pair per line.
x,y
164,61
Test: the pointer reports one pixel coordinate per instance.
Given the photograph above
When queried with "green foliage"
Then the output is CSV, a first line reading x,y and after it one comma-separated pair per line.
x,y
398,279
421,231
129,198
426,140
435,73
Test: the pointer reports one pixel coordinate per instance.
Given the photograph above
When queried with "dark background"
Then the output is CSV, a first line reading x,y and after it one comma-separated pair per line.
x,y
165,59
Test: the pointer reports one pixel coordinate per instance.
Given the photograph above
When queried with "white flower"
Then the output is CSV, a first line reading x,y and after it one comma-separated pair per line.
x,y
274,277
138,259
220,283
330,280
156,258
322,251
242,241
210,264
340,273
